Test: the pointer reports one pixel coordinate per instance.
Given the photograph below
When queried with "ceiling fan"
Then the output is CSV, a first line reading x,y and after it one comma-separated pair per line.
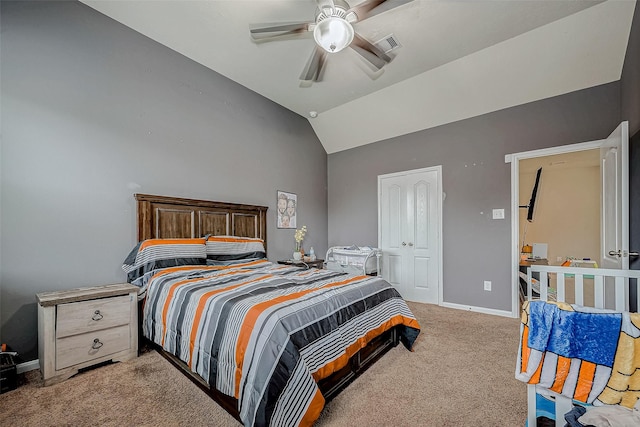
x,y
332,31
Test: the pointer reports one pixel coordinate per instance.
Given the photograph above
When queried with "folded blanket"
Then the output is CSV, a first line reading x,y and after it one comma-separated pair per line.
x,y
586,354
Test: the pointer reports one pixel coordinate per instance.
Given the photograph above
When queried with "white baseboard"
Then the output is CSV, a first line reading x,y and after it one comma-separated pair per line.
x,y
28,366
478,309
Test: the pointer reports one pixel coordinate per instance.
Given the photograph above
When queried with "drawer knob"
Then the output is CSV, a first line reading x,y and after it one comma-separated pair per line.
x,y
97,315
96,344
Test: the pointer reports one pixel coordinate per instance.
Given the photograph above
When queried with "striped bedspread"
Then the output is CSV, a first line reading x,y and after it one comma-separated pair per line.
x,y
265,333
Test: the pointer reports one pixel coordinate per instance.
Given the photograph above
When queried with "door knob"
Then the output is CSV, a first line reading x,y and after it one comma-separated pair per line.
x,y
623,253
404,244
410,244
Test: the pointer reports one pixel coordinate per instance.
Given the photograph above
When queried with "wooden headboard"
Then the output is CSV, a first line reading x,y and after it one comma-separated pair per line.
x,y
164,217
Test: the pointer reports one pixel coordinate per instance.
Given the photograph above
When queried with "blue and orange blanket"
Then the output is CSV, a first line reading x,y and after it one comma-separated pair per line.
x,y
586,354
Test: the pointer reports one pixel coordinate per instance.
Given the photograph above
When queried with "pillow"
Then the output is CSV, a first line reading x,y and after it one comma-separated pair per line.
x,y
230,248
153,254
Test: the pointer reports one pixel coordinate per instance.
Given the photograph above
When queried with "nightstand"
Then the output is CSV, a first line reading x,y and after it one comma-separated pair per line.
x,y
318,263
78,328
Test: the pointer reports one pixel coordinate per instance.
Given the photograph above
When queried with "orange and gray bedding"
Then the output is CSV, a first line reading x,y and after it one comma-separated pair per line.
x,y
266,333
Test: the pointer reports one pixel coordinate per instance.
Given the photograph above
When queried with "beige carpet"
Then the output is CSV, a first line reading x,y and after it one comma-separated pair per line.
x,y
461,373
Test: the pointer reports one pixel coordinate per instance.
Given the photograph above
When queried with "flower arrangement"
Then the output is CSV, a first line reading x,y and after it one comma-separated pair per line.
x,y
299,236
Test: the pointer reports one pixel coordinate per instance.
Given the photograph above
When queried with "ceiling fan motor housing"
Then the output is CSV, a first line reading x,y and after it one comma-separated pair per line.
x,y
333,30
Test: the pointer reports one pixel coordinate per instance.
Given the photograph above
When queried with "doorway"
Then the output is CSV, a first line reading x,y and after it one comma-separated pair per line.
x,y
557,164
565,221
613,194
559,219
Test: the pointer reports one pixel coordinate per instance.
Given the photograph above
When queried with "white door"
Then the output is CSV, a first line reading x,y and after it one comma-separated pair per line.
x,y
614,212
614,170
409,222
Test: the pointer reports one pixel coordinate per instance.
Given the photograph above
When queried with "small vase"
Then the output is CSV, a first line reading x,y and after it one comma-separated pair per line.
x,y
297,256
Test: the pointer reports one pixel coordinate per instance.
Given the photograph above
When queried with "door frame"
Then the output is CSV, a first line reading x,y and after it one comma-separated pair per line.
x,y
439,197
514,159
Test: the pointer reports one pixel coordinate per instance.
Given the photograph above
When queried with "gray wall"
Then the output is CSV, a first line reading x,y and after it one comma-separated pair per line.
x,y
93,112
475,179
630,101
630,81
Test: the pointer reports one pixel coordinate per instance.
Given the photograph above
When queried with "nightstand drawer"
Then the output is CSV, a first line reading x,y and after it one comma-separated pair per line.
x,y
86,316
85,347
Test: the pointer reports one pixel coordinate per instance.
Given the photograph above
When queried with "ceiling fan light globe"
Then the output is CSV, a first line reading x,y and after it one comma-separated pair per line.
x,y
333,34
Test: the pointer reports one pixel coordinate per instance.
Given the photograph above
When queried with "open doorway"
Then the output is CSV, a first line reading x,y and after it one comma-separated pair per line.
x,y
614,204
566,219
559,219
561,228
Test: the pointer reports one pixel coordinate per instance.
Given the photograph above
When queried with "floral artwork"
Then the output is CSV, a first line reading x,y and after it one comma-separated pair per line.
x,y
287,207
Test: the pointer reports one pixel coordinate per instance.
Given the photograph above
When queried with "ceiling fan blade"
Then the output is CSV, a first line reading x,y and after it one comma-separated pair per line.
x,y
315,66
370,8
369,57
267,32
361,45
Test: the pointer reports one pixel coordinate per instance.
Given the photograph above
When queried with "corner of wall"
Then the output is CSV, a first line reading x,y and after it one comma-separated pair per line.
x,y
630,78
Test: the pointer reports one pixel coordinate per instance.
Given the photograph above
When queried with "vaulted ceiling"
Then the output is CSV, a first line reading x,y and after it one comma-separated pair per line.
x,y
457,59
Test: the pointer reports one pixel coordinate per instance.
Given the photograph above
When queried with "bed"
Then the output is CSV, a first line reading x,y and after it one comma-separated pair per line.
x,y
579,349
270,343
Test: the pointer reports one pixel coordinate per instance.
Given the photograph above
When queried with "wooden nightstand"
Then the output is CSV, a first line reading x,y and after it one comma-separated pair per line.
x,y
319,263
82,327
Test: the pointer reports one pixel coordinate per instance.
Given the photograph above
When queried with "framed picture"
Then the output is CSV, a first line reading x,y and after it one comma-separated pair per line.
x,y
287,210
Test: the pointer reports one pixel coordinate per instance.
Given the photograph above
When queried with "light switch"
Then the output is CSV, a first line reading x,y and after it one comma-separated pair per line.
x,y
498,214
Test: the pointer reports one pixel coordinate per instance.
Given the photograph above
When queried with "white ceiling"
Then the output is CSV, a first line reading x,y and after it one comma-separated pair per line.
x,y
458,59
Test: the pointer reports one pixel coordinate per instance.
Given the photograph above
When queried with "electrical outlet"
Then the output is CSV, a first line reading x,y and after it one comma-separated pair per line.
x,y
559,259
487,285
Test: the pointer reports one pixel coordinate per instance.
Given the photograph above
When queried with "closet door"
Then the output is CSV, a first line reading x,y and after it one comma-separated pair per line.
x,y
392,224
409,233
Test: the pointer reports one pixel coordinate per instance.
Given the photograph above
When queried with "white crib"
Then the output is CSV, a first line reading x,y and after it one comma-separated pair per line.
x,y
610,290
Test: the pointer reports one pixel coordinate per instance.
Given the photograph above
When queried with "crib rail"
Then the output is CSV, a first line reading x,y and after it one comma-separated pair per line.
x,y
610,287
610,290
